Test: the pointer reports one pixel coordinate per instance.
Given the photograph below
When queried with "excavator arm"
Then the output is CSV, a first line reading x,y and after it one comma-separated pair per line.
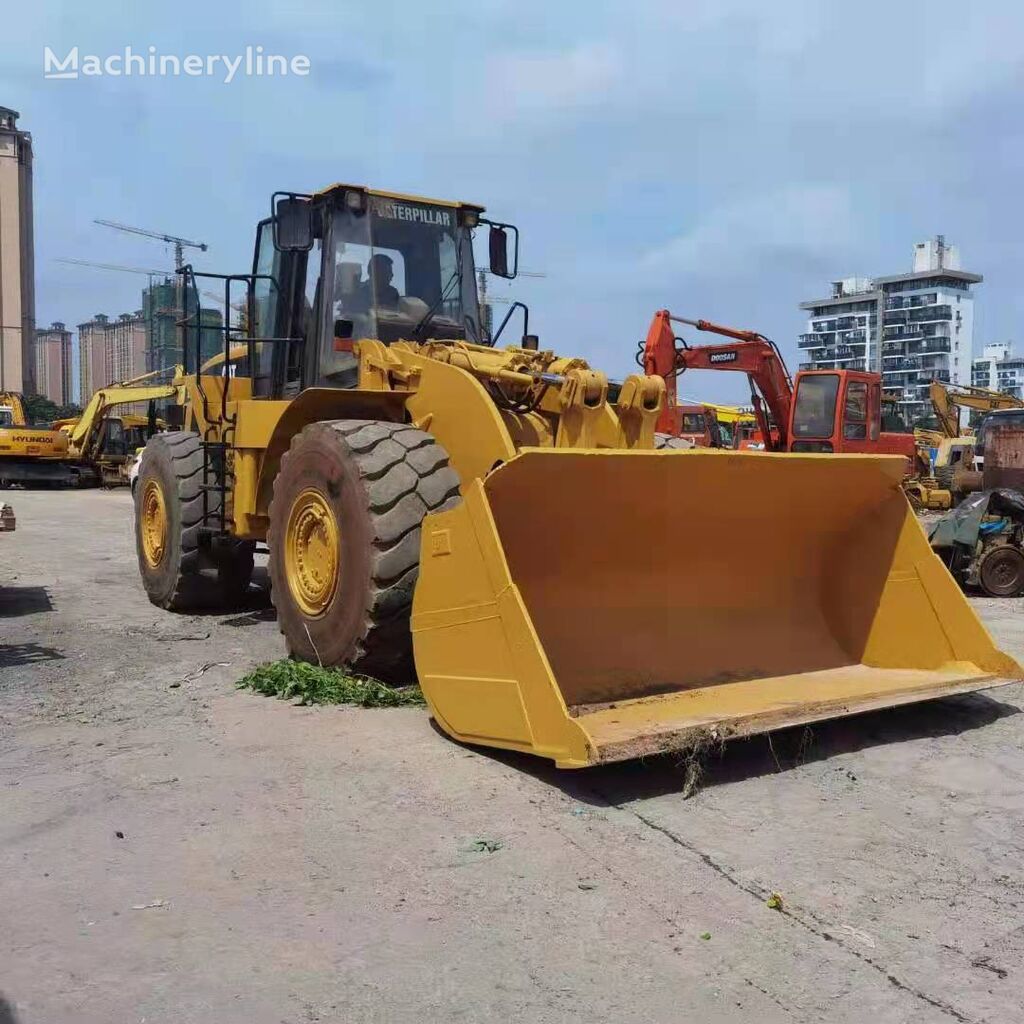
x,y
754,355
947,400
83,432
10,401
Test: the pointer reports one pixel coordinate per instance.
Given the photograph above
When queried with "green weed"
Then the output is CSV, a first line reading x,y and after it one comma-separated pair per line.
x,y
303,683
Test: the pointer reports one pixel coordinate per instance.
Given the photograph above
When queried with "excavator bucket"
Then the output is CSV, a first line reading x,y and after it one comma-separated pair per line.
x,y
596,606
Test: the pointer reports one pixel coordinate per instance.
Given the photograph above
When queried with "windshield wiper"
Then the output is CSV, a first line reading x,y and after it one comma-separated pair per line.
x,y
420,329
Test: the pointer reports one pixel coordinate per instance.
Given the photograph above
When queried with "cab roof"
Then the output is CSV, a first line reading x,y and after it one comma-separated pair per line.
x,y
339,186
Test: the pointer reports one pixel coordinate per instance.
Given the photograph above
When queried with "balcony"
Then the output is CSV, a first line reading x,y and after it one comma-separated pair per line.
x,y
933,343
816,339
902,364
924,313
855,337
912,301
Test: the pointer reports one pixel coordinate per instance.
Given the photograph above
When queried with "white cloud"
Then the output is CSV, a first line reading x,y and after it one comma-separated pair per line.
x,y
535,82
804,221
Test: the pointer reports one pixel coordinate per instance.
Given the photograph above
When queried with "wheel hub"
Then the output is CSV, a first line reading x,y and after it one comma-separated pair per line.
x,y
312,552
153,524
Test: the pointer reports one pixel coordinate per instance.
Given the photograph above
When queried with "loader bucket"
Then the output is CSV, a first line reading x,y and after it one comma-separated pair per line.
x,y
594,606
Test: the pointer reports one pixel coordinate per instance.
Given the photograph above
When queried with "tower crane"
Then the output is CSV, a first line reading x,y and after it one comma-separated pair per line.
x,y
177,241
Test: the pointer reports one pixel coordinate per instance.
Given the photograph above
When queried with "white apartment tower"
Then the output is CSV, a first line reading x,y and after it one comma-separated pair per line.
x,y
999,369
912,328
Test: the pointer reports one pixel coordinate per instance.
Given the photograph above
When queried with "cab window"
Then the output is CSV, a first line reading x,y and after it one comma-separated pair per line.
x,y
855,415
814,411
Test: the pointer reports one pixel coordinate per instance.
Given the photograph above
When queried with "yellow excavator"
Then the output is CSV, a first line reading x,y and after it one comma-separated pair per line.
x,y
94,447
31,455
103,440
954,467
503,522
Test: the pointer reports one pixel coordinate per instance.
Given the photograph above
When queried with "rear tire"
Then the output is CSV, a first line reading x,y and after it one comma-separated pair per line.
x,y
344,540
179,572
1001,570
663,441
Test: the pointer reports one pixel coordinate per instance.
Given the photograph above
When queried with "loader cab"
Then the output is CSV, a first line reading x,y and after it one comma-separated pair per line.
x,y
374,265
836,411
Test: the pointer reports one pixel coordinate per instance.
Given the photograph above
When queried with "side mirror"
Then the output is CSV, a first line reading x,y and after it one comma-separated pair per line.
x,y
498,249
498,246
531,342
293,223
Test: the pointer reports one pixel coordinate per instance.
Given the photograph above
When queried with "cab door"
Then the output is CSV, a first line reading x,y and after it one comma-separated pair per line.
x,y
858,413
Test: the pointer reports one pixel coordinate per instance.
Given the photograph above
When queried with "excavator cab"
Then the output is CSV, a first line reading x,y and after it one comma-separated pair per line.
x,y
836,411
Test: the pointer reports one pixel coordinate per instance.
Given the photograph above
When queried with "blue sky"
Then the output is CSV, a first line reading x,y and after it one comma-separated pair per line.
x,y
724,159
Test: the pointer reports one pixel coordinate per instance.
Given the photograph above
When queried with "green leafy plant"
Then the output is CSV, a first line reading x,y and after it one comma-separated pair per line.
x,y
310,684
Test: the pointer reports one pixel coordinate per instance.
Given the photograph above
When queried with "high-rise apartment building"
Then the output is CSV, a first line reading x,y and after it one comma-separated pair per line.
x,y
93,363
912,328
53,364
17,258
999,369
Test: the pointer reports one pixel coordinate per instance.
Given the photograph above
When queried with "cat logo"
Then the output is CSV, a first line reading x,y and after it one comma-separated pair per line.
x,y
724,357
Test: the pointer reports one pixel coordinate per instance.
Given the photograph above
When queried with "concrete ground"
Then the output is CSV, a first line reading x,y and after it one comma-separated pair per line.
x,y
172,850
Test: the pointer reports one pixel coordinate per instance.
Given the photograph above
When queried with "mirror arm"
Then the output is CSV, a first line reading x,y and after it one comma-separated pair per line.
x,y
508,316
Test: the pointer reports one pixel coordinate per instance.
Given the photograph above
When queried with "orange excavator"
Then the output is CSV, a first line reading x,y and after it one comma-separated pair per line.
x,y
821,411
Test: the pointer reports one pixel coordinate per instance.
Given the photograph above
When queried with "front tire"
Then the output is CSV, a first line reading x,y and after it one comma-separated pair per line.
x,y
344,540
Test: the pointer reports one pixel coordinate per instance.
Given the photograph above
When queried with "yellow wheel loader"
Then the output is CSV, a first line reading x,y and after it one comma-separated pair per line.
x,y
504,522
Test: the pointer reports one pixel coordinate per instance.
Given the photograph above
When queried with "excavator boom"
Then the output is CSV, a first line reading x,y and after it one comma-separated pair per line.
x,y
755,355
948,399
82,434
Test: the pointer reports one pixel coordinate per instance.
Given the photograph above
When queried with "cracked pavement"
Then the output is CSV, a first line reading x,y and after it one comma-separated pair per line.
x,y
174,850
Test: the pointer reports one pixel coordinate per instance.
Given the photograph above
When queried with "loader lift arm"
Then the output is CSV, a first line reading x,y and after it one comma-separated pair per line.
x,y
770,383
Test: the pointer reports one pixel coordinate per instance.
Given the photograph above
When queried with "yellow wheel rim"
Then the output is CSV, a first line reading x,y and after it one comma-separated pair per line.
x,y
153,524
311,552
